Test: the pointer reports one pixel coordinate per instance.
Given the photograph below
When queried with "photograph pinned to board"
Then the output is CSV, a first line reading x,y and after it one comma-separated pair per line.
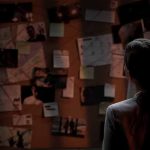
x,y
8,58
22,120
26,63
44,78
33,95
68,126
50,109
16,12
91,95
33,32
10,99
15,137
64,13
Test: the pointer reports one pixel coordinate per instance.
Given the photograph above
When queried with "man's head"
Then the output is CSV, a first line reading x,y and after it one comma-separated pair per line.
x,y
137,60
30,31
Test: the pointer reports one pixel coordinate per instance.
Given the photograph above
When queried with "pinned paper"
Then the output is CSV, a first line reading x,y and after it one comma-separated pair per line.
x,y
23,47
86,72
56,30
10,98
61,59
95,50
100,16
109,90
117,66
50,109
22,120
69,90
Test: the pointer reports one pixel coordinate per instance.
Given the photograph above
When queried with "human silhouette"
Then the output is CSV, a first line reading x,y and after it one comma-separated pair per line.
x,y
127,123
20,140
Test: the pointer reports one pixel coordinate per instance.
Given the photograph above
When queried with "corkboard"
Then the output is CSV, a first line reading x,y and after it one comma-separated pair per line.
x,y
42,137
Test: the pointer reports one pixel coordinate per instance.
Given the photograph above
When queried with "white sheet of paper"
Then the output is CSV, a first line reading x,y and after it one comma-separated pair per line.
x,y
117,66
109,90
22,120
69,90
86,72
100,16
10,98
56,30
23,47
102,107
50,109
61,59
95,50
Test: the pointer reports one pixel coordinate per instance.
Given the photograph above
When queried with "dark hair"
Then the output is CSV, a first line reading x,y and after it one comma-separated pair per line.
x,y
137,60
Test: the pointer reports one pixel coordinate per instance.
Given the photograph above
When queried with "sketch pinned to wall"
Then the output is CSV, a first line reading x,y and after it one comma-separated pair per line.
x,y
31,32
95,50
68,126
26,63
10,99
15,137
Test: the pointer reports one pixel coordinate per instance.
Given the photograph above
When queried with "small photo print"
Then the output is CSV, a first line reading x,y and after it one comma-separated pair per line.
x,y
42,77
31,32
15,137
33,95
69,126
8,58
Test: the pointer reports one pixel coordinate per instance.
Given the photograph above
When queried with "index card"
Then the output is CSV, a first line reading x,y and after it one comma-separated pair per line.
x,y
69,90
61,59
56,30
109,90
50,109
